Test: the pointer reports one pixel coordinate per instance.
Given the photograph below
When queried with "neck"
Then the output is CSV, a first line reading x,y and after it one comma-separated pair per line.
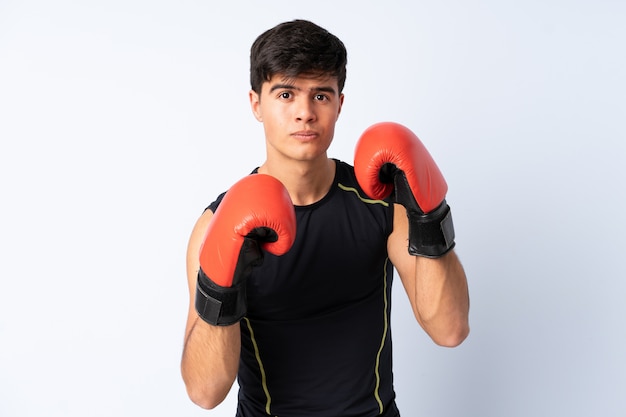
x,y
306,183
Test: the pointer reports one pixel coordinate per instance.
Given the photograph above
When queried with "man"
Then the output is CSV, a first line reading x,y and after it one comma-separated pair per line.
x,y
290,271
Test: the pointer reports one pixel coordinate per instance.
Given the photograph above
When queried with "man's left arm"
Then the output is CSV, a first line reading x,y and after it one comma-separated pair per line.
x,y
437,287
390,160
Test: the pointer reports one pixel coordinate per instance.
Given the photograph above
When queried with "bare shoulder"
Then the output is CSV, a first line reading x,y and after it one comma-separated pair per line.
x,y
195,241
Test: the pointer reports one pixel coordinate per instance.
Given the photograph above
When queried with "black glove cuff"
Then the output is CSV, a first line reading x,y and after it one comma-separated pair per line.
x,y
217,305
431,235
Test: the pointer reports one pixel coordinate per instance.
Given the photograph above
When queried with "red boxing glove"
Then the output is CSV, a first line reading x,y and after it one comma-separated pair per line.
x,y
256,213
390,158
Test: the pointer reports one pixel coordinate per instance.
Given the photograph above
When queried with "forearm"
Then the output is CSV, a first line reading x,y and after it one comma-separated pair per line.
x,y
441,298
210,362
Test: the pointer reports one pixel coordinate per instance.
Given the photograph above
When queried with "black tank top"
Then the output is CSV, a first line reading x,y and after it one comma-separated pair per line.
x,y
316,340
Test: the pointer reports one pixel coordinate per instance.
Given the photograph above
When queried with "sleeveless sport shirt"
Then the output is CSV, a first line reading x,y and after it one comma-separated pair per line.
x,y
316,340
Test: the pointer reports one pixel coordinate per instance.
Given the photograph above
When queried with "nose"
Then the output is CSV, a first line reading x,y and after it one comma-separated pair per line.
x,y
305,110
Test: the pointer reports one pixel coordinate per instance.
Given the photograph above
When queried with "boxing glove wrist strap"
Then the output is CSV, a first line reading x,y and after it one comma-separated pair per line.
x,y
217,305
431,235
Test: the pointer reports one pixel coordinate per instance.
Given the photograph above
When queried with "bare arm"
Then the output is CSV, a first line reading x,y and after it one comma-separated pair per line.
x,y
437,288
211,353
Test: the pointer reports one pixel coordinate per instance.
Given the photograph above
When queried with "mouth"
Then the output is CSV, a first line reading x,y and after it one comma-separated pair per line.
x,y
305,135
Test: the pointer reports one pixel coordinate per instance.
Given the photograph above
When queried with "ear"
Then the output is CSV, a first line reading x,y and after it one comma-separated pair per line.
x,y
255,105
341,96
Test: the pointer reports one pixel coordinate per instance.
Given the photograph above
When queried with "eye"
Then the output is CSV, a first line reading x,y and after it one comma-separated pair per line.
x,y
285,95
321,97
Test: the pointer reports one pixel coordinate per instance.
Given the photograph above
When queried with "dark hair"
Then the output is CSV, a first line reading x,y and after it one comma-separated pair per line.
x,y
295,48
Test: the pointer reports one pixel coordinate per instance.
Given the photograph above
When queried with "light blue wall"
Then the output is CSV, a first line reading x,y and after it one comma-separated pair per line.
x,y
121,120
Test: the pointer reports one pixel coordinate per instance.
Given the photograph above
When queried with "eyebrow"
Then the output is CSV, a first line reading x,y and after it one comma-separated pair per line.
x,y
322,88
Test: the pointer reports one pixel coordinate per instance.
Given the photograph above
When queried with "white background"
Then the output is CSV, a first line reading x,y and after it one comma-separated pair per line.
x,y
121,120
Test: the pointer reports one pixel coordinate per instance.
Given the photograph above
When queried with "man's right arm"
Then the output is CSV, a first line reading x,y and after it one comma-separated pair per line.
x,y
211,353
255,215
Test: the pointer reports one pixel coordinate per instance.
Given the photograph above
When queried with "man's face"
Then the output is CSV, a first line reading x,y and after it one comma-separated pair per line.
x,y
298,115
